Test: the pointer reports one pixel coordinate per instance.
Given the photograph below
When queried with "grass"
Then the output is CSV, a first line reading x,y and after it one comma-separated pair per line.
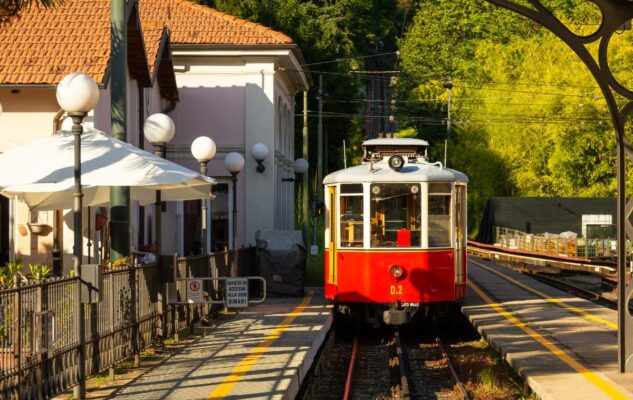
x,y
485,374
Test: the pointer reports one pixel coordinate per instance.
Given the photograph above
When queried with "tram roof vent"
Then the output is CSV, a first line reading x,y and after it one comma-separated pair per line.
x,y
413,150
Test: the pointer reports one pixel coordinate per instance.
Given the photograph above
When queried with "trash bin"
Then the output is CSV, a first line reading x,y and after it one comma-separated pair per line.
x,y
281,260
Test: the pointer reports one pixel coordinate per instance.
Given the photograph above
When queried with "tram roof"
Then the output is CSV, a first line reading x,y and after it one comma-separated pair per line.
x,y
395,142
381,172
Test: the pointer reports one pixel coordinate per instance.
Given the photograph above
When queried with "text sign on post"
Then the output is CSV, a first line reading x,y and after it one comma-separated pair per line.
x,y
194,291
237,292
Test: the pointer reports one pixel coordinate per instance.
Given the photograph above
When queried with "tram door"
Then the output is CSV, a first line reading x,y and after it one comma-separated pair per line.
x,y
460,233
333,225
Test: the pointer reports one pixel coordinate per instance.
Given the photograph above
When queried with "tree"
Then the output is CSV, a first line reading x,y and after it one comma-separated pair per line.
x,y
11,8
528,117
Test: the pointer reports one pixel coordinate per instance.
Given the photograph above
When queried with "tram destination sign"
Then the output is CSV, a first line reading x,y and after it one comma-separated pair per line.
x,y
237,292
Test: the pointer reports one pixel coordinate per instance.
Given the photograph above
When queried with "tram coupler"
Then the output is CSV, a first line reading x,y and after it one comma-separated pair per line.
x,y
397,315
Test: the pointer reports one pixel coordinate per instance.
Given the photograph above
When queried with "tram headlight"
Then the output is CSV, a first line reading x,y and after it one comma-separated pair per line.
x,y
396,162
396,271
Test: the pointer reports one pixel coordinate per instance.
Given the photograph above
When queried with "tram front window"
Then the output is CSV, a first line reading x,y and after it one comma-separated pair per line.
x,y
351,215
395,215
440,215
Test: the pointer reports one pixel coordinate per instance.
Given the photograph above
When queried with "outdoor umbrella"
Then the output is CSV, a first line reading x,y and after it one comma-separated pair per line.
x,y
40,173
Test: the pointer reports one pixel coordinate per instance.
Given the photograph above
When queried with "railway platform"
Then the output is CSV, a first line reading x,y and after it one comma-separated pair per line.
x,y
263,352
562,346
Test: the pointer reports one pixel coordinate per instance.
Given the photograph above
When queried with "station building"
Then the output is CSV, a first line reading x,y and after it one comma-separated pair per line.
x,y
216,75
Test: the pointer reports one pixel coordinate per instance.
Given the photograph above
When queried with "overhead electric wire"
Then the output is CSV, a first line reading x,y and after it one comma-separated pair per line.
x,y
348,59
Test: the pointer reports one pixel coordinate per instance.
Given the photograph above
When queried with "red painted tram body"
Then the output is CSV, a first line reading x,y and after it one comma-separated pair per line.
x,y
395,233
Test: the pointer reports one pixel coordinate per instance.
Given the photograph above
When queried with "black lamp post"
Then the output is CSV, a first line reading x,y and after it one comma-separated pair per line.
x,y
159,129
77,94
234,163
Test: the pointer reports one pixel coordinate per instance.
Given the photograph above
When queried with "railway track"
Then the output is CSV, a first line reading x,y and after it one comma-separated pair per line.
x,y
556,279
366,364
401,367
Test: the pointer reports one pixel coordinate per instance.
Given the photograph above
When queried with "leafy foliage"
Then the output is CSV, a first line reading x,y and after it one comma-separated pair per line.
x,y
528,119
332,35
11,8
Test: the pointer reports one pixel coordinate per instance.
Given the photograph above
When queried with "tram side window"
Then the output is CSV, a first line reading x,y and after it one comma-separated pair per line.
x,y
439,215
351,207
395,215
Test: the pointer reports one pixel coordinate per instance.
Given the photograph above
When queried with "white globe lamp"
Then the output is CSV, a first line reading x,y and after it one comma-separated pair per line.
x,y
234,163
77,93
301,166
259,151
159,129
203,149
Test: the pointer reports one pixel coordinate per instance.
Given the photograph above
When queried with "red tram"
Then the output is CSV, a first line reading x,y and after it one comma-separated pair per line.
x,y
395,233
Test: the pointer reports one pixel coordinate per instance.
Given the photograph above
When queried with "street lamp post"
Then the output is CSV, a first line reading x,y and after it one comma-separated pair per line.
x,y
77,94
159,129
203,149
234,163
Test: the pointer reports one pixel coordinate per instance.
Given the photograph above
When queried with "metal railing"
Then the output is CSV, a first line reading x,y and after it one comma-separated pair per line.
x,y
556,245
38,335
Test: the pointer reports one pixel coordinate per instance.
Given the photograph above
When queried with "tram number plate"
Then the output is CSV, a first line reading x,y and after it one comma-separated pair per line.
x,y
395,289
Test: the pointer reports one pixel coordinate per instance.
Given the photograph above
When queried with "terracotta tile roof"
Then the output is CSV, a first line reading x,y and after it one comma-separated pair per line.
x,y
190,23
44,44
152,36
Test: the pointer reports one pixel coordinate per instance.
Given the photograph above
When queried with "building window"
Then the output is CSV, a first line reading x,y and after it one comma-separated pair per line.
x,y
598,226
220,217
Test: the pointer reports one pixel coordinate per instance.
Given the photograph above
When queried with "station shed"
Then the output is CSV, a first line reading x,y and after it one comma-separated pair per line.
x,y
537,215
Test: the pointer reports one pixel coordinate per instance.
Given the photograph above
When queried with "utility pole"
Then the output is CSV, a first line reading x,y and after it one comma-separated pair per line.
x,y
448,84
306,157
119,196
320,141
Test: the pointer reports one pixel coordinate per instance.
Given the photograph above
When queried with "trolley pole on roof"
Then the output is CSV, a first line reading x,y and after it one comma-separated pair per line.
x,y
448,84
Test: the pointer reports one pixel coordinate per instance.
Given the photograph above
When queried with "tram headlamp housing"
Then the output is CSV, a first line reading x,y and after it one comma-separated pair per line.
x,y
396,162
396,271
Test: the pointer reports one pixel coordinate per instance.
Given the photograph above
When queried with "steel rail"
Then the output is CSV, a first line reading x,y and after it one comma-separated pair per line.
x,y
350,368
568,287
603,269
459,386
404,380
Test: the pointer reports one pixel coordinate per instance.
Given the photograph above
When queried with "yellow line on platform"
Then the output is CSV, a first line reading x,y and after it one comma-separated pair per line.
x,y
555,350
552,300
251,358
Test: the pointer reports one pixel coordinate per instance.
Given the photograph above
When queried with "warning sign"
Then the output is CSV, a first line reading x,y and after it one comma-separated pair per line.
x,y
237,292
194,291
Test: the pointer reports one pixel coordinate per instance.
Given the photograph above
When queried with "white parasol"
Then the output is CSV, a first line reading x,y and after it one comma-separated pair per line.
x,y
40,173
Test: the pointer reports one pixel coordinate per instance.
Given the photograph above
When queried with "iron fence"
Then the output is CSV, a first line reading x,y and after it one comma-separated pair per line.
x,y
38,332
557,245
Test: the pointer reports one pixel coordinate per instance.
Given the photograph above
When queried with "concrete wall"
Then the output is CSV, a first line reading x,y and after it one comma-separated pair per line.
x,y
234,101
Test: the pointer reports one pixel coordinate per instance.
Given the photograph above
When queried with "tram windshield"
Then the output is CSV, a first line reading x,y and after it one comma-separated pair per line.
x,y
439,214
395,215
351,215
